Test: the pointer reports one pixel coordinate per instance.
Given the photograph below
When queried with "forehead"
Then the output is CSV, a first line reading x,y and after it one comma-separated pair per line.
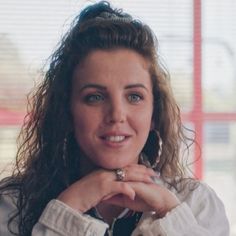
x,y
113,65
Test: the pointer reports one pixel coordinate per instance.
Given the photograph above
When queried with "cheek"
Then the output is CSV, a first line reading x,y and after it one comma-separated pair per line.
x,y
145,116
85,122
143,122
79,120
82,129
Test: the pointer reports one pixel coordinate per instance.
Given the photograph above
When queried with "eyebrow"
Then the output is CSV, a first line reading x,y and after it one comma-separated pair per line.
x,y
101,87
97,86
136,86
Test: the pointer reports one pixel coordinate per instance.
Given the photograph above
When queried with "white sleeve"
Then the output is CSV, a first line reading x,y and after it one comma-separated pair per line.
x,y
59,219
200,214
7,208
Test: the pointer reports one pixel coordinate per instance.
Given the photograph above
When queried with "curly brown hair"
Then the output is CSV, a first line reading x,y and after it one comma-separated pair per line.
x,y
48,156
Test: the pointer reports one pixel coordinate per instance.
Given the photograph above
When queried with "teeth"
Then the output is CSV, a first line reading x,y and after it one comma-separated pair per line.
x,y
115,138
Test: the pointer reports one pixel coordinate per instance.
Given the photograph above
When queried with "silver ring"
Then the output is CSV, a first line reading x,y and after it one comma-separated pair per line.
x,y
120,174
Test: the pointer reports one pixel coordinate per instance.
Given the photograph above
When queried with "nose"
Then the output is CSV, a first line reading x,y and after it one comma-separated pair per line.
x,y
115,113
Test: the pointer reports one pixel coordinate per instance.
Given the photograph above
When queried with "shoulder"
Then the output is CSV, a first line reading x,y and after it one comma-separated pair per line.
x,y
202,199
201,203
196,190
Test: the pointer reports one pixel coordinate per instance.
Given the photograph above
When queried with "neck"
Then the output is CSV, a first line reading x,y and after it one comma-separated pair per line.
x,y
109,212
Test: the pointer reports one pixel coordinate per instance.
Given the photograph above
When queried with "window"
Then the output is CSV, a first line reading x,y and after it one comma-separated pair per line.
x,y
196,42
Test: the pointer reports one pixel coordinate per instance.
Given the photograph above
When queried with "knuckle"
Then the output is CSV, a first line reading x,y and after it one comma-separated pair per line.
x,y
143,167
103,176
103,187
122,185
146,177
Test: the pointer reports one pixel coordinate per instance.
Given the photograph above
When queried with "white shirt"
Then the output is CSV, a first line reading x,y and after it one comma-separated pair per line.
x,y
201,213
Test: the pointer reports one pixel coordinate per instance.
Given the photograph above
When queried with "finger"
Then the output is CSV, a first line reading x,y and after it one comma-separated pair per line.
x,y
117,200
158,181
137,173
142,169
123,201
126,189
138,177
120,188
107,197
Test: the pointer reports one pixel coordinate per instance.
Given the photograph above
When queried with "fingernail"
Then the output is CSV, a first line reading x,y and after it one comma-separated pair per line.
x,y
158,174
133,197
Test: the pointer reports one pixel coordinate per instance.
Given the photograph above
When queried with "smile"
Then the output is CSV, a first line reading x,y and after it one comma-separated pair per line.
x,y
115,139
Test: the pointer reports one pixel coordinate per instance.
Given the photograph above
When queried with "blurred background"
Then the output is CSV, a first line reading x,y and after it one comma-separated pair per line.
x,y
197,43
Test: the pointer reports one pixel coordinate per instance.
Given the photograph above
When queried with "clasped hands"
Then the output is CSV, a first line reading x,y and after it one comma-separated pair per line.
x,y
136,190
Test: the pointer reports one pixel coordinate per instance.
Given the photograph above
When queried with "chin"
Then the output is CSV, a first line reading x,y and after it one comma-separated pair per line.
x,y
113,166
109,167
114,161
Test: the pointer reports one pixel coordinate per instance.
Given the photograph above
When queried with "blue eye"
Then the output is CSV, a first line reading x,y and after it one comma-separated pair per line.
x,y
134,98
94,98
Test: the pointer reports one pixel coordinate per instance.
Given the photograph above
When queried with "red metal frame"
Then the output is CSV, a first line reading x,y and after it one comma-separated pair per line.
x,y
8,118
196,116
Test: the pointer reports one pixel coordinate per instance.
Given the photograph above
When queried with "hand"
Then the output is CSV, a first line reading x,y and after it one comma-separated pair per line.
x,y
148,197
101,185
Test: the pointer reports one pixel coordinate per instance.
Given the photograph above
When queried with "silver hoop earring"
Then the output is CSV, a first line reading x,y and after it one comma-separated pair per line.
x,y
159,152
151,154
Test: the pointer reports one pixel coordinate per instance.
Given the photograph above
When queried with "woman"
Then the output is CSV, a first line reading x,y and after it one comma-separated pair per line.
x,y
100,152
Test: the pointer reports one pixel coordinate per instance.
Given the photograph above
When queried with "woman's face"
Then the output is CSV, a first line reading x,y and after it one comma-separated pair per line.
x,y
112,105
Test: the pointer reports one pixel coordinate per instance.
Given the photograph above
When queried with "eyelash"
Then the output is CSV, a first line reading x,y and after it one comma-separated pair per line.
x,y
93,98
140,97
96,98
